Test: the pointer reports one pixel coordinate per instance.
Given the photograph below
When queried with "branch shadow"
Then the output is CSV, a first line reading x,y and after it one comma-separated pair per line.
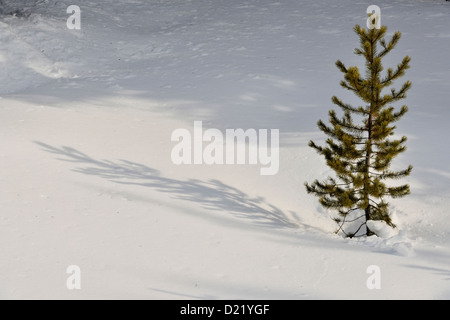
x,y
439,271
212,194
441,258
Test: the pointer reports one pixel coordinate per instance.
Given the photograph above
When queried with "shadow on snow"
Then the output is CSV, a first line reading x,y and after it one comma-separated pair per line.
x,y
212,194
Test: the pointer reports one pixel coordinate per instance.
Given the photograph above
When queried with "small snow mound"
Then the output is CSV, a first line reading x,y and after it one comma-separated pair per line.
x,y
381,229
403,249
401,245
397,244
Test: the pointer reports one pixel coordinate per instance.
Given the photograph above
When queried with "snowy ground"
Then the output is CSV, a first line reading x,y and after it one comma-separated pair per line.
x,y
86,177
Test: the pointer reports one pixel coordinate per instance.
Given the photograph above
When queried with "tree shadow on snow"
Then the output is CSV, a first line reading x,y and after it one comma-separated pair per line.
x,y
212,194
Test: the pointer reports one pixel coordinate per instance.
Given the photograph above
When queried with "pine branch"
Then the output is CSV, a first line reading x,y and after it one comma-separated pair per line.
x,y
400,71
399,192
397,174
325,129
341,66
388,47
348,107
313,145
346,123
396,95
396,116
357,230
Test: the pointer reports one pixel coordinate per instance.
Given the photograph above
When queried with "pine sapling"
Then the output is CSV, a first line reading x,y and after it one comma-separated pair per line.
x,y
360,146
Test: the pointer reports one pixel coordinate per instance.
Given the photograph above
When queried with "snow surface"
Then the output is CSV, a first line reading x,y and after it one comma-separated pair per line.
x,y
85,171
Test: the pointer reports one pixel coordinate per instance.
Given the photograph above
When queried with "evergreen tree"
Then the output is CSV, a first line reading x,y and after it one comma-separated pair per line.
x,y
360,147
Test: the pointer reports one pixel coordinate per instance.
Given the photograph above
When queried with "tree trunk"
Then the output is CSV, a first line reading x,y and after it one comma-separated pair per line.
x,y
366,186
369,138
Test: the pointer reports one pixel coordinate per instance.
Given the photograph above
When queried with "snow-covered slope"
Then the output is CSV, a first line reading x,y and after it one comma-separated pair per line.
x,y
86,176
